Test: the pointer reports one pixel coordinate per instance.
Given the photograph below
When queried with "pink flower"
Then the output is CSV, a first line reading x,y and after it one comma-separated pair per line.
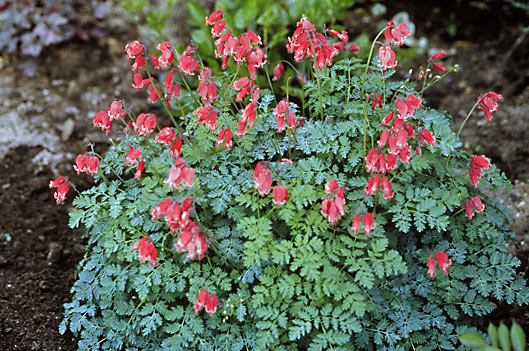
x,y
477,165
192,240
62,186
369,225
443,262
116,110
262,178
431,266
139,169
243,86
133,48
356,224
207,87
161,209
214,17
132,156
165,136
187,63
333,206
248,114
425,137
438,67
103,121
396,33
279,114
138,64
55,183
280,195
207,116
372,186
387,119
207,300
176,148
180,173
167,56
86,163
387,188
139,82
353,48
279,71
386,57
147,251
224,137
376,100
472,204
488,103
144,124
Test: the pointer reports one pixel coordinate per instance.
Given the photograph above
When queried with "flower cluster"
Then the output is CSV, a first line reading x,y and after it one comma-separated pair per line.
x,y
105,118
62,186
442,260
180,172
87,164
306,42
243,49
178,218
147,251
477,165
367,221
333,205
488,103
207,301
472,204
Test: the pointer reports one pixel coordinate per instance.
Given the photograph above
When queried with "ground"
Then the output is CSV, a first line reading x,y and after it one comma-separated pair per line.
x,y
45,120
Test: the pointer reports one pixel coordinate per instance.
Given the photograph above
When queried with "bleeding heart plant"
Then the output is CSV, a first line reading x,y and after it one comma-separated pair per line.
x,y
281,232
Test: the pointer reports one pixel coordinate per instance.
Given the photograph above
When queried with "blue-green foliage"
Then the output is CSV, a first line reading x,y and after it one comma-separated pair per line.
x,y
285,278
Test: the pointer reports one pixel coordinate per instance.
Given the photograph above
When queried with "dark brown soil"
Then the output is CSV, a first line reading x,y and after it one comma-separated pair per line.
x,y
38,252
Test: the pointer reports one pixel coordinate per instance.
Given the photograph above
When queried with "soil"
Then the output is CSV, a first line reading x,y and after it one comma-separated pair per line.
x,y
45,120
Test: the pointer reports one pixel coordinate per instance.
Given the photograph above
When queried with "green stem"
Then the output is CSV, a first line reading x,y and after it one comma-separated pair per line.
x,y
366,122
467,117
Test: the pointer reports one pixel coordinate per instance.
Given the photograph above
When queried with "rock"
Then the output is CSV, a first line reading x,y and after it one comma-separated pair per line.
x,y
67,129
3,261
54,252
43,285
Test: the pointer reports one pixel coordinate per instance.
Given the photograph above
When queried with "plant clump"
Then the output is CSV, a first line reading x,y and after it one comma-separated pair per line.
x,y
318,224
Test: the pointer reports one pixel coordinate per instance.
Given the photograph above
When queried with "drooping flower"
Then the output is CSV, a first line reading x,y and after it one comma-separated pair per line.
x,y
488,103
279,114
442,260
372,186
375,99
425,137
138,64
472,204
356,223
187,63
161,209
132,156
147,251
139,169
477,165
396,33
180,172
243,86
333,206
145,123
176,148
103,121
224,137
192,240
207,300
167,56
387,188
62,186
367,221
207,116
207,87
133,48
386,57
279,71
139,82
116,111
431,266
165,136
87,164
280,195
262,178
